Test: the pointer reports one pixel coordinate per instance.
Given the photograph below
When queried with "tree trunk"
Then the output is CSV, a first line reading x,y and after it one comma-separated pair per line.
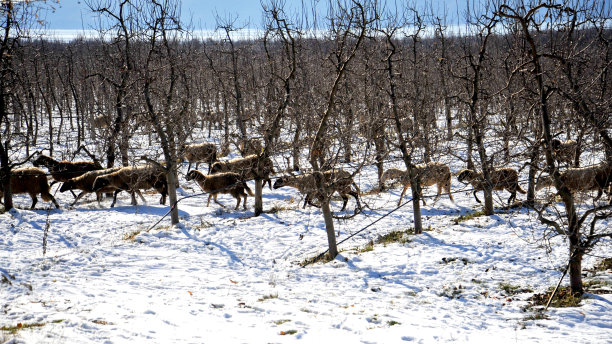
x,y
258,197
5,175
172,198
575,269
329,227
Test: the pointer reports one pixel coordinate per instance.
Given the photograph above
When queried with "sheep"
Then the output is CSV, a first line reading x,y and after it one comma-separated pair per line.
x,y
85,183
64,170
228,183
32,181
100,121
338,180
429,174
200,152
132,179
579,179
501,178
564,151
246,167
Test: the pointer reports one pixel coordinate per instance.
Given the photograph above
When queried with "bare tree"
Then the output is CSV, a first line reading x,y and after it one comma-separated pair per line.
x,y
118,19
389,30
282,76
350,27
569,224
474,69
16,18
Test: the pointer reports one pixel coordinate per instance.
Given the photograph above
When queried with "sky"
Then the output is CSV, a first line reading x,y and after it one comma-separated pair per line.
x,y
75,15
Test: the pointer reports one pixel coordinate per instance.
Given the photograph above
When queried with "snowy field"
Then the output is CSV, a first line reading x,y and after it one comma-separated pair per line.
x,y
224,276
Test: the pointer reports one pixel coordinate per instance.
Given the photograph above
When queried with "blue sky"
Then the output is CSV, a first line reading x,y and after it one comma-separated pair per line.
x,y
75,15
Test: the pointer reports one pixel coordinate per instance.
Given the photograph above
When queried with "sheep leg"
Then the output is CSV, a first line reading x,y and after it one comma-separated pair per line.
x,y
115,197
98,198
34,201
83,193
237,202
439,193
402,195
209,196
219,203
141,196
599,193
306,200
54,201
345,199
448,191
423,198
356,195
512,197
245,201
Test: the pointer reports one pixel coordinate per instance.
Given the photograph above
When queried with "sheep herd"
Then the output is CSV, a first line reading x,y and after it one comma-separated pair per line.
x,y
230,177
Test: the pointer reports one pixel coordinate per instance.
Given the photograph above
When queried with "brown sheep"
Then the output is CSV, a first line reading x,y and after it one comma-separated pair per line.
x,y
100,121
200,152
64,170
85,183
228,183
429,174
132,179
32,181
338,180
581,179
501,178
246,167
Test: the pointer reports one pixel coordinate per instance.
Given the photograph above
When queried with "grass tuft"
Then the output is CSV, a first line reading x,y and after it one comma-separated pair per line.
x,y
510,289
604,265
277,208
21,326
281,321
268,297
563,298
326,258
469,216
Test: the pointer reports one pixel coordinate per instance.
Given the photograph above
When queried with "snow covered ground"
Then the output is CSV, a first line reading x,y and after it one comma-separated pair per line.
x,y
224,276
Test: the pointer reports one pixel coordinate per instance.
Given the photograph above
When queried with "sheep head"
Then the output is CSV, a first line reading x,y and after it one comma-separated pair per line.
x,y
41,160
280,182
191,175
466,175
68,185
